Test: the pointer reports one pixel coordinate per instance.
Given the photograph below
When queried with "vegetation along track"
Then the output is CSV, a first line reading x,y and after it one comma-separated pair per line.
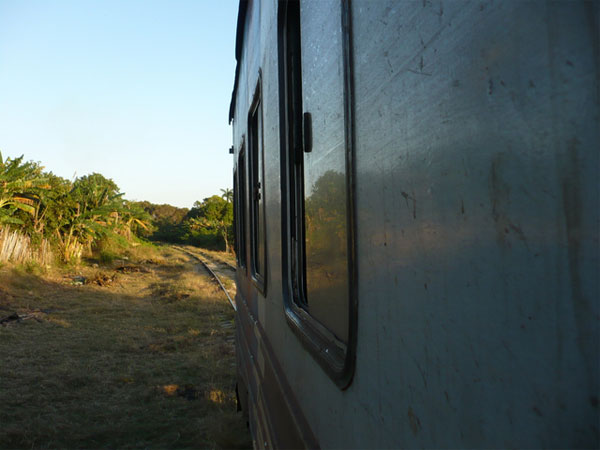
x,y
222,271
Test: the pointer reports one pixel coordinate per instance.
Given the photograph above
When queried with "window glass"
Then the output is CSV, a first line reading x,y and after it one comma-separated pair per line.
x,y
290,54
241,216
315,116
325,215
257,189
236,200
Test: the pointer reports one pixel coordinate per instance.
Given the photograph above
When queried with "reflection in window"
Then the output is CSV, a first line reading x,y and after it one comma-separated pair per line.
x,y
315,143
236,200
326,252
257,213
241,209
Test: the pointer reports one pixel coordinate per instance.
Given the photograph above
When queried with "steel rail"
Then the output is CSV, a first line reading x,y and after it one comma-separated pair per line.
x,y
212,258
212,273
219,260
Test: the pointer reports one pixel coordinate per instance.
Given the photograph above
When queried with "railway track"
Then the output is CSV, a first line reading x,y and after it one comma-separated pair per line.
x,y
217,268
214,258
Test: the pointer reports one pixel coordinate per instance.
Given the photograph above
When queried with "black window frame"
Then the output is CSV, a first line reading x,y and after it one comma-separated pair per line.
x,y
335,357
256,189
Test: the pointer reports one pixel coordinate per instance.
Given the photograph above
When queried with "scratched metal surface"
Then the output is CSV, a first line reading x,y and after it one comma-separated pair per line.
x,y
477,223
477,176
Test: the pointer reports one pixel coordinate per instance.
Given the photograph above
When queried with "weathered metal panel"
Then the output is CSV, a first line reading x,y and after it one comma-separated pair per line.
x,y
265,338
477,160
477,228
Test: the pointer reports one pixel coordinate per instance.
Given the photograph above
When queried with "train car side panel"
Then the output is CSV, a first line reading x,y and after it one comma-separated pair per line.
x,y
473,132
477,160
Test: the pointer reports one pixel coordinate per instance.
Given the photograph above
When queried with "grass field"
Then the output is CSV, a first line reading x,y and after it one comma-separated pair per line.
x,y
140,357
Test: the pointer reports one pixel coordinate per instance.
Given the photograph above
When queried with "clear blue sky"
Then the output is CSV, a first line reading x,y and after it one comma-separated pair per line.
x,y
136,90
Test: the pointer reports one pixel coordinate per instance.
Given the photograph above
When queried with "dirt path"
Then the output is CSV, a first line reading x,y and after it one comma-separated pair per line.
x,y
133,354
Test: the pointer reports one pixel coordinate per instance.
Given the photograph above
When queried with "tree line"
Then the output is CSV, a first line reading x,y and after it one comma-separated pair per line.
x,y
81,216
208,223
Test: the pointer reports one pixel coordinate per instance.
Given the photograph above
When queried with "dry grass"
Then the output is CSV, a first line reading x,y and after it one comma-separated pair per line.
x,y
147,362
222,256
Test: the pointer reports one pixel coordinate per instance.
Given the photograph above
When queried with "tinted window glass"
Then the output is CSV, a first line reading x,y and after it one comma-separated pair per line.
x,y
316,148
241,209
236,201
325,214
257,225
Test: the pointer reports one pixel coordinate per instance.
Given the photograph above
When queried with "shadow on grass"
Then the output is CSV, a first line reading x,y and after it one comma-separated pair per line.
x,y
90,371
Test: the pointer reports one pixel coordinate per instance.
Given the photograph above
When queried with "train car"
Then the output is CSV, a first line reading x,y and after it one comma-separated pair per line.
x,y
416,208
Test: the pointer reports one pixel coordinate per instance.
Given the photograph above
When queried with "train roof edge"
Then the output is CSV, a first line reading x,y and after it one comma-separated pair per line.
x,y
239,41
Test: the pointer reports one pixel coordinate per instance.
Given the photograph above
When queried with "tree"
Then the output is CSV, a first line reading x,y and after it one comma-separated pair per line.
x,y
134,218
213,213
20,187
167,221
50,208
74,215
227,195
91,210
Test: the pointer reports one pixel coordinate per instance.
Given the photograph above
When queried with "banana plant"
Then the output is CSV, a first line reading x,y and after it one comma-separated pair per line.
x,y
20,186
85,214
94,208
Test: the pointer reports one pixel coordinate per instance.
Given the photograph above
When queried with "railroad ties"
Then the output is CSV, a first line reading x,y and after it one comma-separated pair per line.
x,y
217,268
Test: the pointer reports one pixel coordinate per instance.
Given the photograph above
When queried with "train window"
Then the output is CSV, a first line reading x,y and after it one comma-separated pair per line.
x,y
257,211
241,208
317,201
236,237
